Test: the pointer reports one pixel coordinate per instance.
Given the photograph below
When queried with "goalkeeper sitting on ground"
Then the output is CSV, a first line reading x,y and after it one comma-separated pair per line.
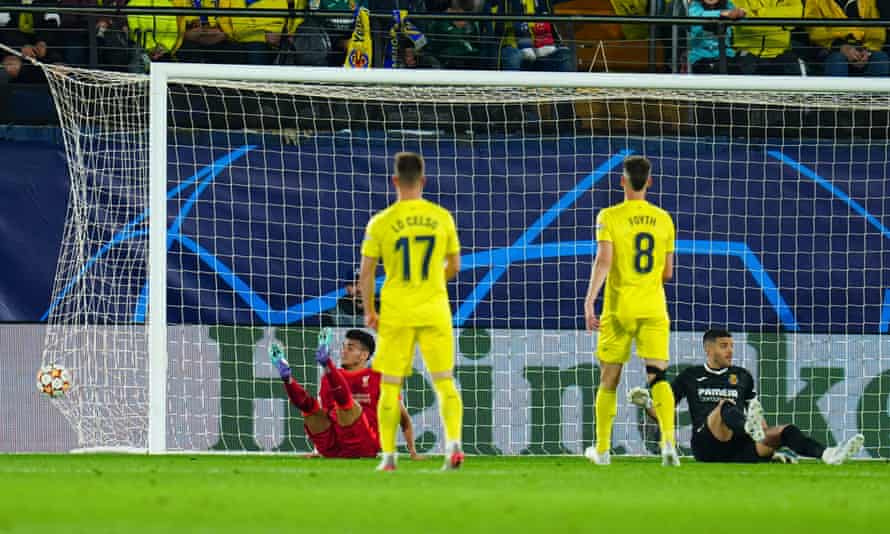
x,y
717,392
344,424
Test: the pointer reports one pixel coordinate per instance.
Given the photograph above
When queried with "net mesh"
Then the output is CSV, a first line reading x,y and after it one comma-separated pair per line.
x,y
779,198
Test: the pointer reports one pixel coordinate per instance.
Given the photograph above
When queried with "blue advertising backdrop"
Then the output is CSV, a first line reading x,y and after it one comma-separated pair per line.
x,y
781,236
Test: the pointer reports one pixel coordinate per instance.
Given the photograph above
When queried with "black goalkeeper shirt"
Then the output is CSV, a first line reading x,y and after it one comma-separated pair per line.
x,y
703,388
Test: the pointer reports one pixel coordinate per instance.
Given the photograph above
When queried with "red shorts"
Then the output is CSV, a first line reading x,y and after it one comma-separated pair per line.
x,y
357,440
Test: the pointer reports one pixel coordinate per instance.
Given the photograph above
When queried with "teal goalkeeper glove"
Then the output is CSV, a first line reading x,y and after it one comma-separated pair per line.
x,y
276,356
323,353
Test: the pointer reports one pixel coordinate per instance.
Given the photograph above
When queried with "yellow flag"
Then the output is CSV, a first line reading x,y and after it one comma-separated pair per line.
x,y
359,51
26,23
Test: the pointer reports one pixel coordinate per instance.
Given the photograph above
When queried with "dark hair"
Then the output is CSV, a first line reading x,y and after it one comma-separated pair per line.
x,y
714,333
637,170
409,167
366,339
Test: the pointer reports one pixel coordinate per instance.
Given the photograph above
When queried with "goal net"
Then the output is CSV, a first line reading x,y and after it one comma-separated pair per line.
x,y
262,180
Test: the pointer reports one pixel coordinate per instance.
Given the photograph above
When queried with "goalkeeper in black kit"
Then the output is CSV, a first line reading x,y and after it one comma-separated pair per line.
x,y
727,418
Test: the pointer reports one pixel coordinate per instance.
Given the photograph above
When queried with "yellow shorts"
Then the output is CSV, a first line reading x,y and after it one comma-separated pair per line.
x,y
395,348
651,334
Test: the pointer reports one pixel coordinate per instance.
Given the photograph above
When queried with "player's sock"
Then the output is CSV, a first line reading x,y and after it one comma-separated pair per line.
x,y
451,408
800,443
733,417
388,415
339,387
300,398
663,403
606,407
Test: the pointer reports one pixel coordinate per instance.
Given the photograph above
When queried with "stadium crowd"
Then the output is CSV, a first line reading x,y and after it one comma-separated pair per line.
x,y
132,43
338,28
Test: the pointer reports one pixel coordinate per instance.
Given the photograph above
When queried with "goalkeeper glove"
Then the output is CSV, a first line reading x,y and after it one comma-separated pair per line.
x,y
640,397
323,353
276,356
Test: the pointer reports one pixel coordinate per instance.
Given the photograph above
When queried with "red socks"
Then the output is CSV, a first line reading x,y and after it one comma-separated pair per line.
x,y
299,398
339,387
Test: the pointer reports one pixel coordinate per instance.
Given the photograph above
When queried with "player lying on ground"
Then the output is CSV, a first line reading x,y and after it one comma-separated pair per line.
x,y
344,425
722,432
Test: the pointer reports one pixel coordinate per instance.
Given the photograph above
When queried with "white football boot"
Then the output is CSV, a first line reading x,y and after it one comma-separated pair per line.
x,y
844,451
669,456
598,458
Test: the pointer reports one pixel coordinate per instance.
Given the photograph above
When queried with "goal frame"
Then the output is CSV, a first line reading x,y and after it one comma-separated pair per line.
x,y
162,73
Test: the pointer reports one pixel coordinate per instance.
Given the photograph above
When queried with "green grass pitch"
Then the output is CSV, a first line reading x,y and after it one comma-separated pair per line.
x,y
243,494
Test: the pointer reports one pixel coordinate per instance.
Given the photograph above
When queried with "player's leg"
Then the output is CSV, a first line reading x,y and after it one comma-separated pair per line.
x,y
437,347
792,437
395,349
388,414
606,407
613,351
346,417
314,418
725,420
348,411
653,340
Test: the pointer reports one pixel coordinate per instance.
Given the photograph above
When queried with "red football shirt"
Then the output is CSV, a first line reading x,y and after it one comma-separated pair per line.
x,y
365,387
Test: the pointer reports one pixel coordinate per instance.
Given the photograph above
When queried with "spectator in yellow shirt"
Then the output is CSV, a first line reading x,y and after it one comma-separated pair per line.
x,y
261,37
205,39
767,49
849,50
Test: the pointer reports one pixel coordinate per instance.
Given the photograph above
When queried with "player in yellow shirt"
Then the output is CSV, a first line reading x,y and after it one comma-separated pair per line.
x,y
634,257
417,242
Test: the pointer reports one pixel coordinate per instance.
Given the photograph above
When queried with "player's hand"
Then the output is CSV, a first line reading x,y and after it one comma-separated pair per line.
x,y
592,321
418,457
640,397
371,319
276,356
862,55
323,353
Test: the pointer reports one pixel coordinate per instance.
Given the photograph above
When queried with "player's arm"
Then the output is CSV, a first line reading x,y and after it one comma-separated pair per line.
x,y
598,274
366,282
408,431
452,252
452,266
668,272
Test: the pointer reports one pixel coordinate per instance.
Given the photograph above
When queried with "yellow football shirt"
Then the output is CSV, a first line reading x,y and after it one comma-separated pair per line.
x,y
641,235
412,239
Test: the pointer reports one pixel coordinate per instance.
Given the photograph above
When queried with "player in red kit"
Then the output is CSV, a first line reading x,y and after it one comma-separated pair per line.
x,y
344,424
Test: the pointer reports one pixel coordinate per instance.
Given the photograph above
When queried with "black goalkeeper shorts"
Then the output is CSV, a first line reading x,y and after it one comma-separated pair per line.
x,y
740,449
